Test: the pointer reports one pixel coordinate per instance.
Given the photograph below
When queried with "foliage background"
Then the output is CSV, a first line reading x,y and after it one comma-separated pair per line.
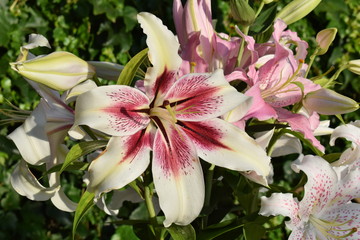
x,y
107,30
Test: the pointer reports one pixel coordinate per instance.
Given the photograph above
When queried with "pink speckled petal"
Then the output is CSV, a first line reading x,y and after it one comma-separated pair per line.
x,y
348,188
281,204
115,110
320,186
303,234
225,145
198,97
124,159
349,214
177,175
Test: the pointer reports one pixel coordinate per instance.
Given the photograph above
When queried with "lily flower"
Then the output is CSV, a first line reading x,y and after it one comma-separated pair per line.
x,y
177,118
39,140
326,210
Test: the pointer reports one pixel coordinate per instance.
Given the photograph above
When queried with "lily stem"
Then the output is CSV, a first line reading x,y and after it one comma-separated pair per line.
x,y
208,189
151,211
245,31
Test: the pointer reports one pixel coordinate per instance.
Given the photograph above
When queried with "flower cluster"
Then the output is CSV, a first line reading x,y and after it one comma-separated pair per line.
x,y
196,101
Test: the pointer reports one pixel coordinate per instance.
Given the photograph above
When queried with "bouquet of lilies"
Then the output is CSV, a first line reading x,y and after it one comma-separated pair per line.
x,y
190,114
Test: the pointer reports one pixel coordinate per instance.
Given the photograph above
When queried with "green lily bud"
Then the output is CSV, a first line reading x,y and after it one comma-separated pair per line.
x,y
324,38
242,12
354,66
329,102
296,10
58,70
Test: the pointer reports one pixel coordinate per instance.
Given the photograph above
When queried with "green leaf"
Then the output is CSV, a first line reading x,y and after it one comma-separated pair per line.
x,y
264,20
253,231
182,232
124,232
71,166
80,150
130,69
85,203
210,234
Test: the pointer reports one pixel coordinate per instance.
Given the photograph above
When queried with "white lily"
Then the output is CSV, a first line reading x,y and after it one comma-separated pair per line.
x,y
326,210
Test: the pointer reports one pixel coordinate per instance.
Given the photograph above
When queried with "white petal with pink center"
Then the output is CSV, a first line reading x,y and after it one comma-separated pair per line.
x,y
177,174
203,96
124,159
115,110
223,144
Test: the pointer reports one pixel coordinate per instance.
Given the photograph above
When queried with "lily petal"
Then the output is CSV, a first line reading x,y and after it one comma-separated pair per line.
x,y
115,110
26,184
30,138
281,204
203,96
163,50
320,186
350,131
177,175
225,145
124,159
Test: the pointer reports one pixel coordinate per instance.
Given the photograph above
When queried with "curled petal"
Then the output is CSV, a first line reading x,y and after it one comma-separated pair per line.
x,y
115,110
350,131
225,145
281,204
202,96
177,175
124,159
26,184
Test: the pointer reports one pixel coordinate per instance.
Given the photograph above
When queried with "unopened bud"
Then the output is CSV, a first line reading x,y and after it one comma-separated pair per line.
x,y
58,70
354,66
242,12
296,10
329,102
324,38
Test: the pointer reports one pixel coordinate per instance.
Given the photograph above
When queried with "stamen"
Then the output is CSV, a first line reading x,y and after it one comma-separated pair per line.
x,y
326,227
192,67
272,91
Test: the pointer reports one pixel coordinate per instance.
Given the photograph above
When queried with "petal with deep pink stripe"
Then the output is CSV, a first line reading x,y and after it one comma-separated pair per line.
x,y
225,145
163,51
124,159
177,175
115,110
196,97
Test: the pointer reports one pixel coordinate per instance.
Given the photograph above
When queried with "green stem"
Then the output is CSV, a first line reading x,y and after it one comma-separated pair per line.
x,y
312,58
151,211
259,9
208,189
336,75
276,136
241,50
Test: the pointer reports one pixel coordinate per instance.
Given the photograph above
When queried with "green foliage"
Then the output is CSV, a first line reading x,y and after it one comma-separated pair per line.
x,y
107,31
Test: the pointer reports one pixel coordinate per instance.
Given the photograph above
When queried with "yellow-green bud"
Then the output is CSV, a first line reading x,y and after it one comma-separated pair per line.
x,y
329,102
324,38
354,66
296,10
57,70
242,12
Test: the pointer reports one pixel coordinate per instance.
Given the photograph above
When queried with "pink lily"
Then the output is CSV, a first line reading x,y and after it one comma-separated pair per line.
x,y
326,210
176,118
201,48
276,81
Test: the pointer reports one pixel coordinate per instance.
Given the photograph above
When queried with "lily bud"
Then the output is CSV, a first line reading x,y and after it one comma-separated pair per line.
x,y
296,10
328,102
324,38
58,70
267,1
242,12
354,66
